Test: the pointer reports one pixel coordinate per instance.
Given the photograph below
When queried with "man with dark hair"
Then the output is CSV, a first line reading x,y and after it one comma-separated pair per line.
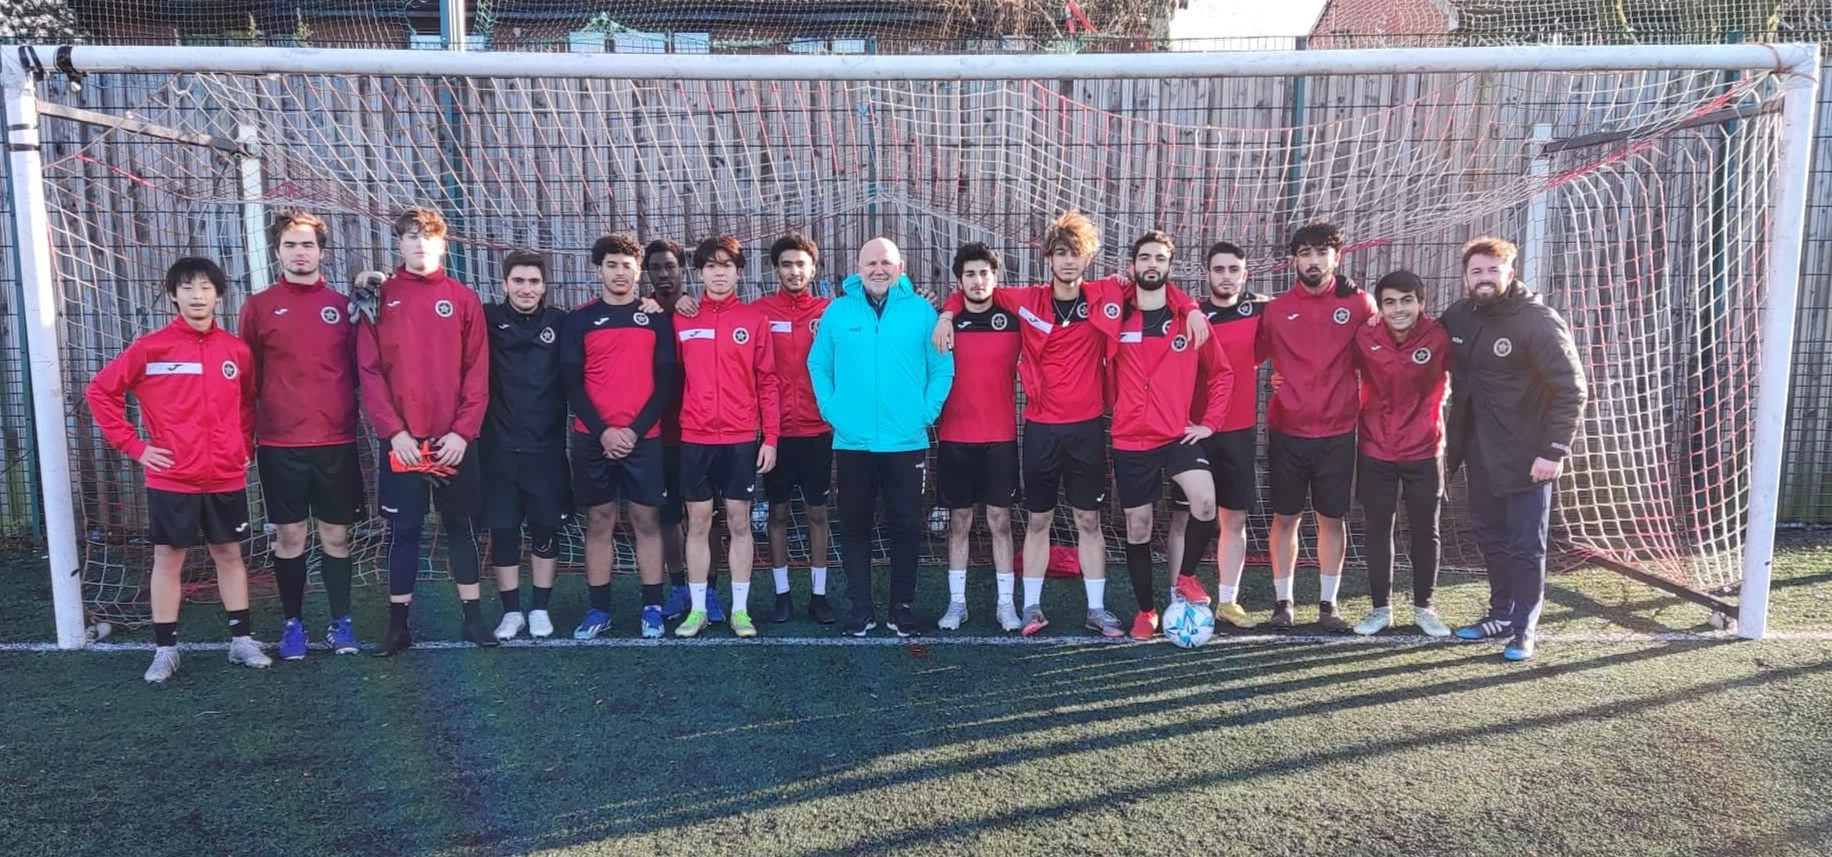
x,y
196,388
881,385
805,459
1309,335
1405,365
424,357
730,396
1517,393
1233,451
977,458
1067,328
304,348
1153,373
619,368
665,267
523,447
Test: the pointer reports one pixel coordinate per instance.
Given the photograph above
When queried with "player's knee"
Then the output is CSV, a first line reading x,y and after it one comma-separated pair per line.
x,y
601,516
738,523
646,522
1284,523
960,520
544,542
998,518
227,557
1138,529
1202,507
1087,522
333,539
1038,522
289,539
505,547
817,514
779,514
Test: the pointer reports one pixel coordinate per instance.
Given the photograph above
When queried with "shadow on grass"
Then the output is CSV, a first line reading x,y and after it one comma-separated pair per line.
x,y
1058,723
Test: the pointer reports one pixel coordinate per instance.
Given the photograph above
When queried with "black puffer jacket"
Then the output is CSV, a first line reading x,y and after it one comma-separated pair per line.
x,y
1517,387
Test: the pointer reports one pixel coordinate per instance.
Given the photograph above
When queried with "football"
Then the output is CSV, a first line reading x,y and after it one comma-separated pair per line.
x,y
1188,625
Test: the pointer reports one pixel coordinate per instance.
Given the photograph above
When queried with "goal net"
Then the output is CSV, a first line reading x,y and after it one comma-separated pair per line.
x,y
1641,200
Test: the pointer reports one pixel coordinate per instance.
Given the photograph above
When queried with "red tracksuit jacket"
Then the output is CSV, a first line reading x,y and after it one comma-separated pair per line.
x,y
304,365
425,363
793,320
1235,327
196,392
1310,340
1403,385
1153,371
1063,346
979,407
729,363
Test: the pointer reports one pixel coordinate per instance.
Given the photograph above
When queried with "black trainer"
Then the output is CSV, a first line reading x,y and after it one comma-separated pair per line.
x,y
785,607
820,611
398,639
477,635
859,626
1281,617
1329,619
903,621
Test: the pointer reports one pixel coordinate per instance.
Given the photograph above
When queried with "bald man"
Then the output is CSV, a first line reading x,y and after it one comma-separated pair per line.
x,y
880,384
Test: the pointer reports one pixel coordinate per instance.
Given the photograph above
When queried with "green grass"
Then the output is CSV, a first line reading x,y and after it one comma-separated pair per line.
x,y
1627,747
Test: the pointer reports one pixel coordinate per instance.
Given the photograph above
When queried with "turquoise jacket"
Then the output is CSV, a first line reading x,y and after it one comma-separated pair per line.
x,y
878,380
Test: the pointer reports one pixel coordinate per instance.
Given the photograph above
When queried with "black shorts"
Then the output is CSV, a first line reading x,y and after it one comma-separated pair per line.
x,y
711,471
301,482
1233,462
635,478
1067,457
974,474
1138,475
176,520
525,487
1320,468
804,462
404,496
674,507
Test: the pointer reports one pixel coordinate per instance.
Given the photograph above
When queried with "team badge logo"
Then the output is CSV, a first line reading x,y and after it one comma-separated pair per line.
x,y
1342,315
1503,347
1111,311
741,336
999,322
1179,343
1246,308
230,370
330,315
641,318
1081,310
546,336
1165,328
443,308
1422,356
814,325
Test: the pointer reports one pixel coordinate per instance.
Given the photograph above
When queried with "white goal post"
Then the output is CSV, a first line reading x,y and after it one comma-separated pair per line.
x,y
23,68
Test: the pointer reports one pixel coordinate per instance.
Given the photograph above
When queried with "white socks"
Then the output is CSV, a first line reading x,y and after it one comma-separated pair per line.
x,y
1331,583
1097,593
697,592
1226,593
782,579
820,580
1033,590
1006,581
741,597
957,585
1282,587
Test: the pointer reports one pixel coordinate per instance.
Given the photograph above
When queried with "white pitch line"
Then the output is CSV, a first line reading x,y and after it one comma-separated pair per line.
x,y
1004,641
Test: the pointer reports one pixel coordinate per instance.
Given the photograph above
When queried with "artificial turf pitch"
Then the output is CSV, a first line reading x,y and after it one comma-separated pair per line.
x,y
1632,733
